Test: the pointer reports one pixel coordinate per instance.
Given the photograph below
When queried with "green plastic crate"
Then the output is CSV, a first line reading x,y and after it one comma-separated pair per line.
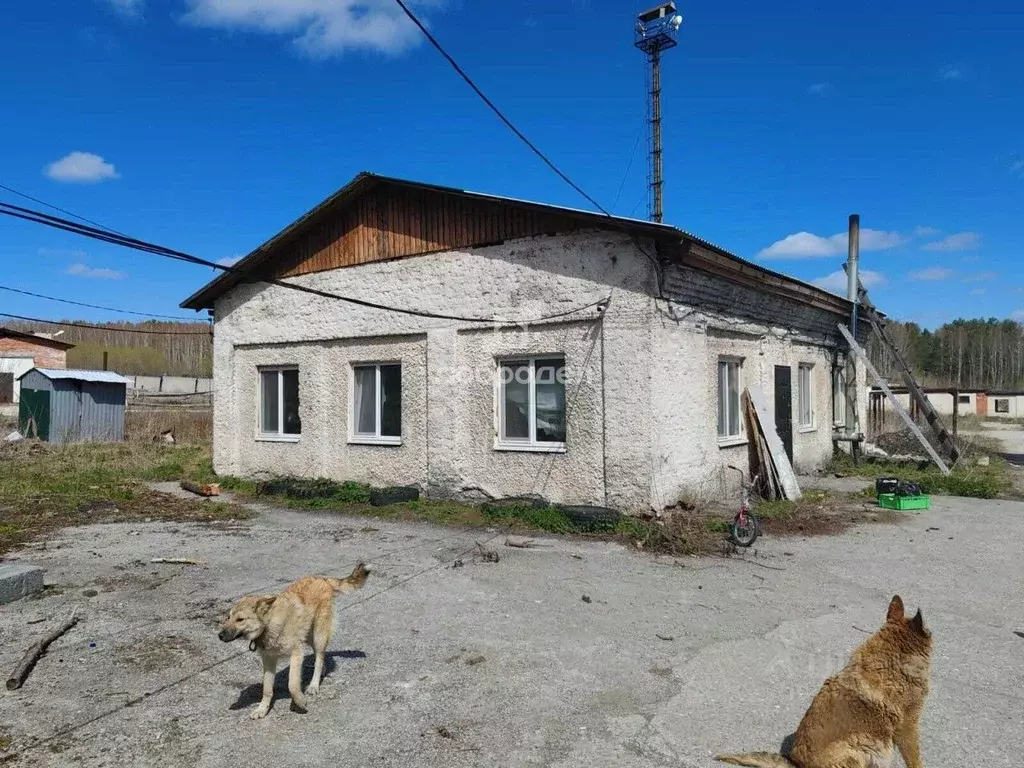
x,y
892,501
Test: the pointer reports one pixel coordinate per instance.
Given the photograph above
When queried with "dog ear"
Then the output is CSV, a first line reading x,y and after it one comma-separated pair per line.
x,y
264,604
917,623
896,612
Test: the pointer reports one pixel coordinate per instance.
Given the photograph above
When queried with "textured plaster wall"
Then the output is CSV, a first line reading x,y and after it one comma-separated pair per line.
x,y
705,319
448,368
641,378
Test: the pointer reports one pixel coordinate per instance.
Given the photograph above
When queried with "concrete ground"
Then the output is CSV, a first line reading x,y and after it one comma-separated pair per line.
x,y
1009,436
664,665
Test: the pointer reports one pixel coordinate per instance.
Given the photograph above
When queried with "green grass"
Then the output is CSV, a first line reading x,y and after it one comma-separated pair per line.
x,y
45,487
972,481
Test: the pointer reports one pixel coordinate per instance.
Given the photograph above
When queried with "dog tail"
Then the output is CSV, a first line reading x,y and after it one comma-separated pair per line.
x,y
352,582
757,760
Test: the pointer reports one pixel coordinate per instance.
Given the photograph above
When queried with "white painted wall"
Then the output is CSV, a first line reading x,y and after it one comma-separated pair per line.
x,y
640,391
18,365
1015,404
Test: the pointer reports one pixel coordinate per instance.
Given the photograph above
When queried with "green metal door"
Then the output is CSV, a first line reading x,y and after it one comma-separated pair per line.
x,y
34,413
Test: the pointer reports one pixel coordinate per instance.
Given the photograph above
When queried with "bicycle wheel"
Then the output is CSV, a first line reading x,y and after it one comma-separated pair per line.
x,y
743,535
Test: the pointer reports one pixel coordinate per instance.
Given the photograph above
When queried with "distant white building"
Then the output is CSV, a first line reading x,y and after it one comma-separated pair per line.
x,y
618,383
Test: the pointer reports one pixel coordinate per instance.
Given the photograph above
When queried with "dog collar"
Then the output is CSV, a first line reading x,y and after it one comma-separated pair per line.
x,y
255,642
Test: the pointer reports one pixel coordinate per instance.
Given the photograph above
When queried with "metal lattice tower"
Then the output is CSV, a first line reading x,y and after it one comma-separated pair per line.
x,y
656,30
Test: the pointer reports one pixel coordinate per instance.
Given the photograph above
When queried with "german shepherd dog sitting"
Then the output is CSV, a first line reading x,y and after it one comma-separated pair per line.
x,y
872,705
278,626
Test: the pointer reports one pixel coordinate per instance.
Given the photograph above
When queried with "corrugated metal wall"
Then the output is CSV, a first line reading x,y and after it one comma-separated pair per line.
x,y
82,411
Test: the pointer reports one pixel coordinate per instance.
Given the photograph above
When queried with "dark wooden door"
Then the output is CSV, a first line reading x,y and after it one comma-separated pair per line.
x,y
6,388
784,407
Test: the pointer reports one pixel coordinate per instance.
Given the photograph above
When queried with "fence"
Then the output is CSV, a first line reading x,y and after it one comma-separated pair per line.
x,y
171,385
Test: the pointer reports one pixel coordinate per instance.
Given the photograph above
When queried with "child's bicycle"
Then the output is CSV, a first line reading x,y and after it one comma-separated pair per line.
x,y
745,526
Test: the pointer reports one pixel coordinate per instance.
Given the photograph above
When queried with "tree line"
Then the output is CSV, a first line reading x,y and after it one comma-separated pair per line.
x,y
167,348
969,354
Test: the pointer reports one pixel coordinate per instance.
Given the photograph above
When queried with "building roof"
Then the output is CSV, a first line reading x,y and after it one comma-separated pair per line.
x,y
681,243
42,341
105,377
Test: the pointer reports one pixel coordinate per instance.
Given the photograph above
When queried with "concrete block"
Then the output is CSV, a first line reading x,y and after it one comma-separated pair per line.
x,y
18,580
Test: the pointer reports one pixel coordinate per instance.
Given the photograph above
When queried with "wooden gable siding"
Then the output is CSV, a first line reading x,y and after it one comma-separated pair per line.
x,y
388,224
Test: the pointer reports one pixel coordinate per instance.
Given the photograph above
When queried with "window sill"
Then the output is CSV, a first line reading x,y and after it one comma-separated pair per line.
x,y
807,428
391,441
277,438
732,442
531,447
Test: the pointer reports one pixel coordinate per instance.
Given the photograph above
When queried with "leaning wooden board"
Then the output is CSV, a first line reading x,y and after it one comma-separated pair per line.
x,y
783,468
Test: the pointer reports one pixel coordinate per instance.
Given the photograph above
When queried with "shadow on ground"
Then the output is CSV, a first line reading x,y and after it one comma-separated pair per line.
x,y
250,695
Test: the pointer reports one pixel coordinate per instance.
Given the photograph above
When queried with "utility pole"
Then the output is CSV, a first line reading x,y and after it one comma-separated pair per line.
x,y
657,30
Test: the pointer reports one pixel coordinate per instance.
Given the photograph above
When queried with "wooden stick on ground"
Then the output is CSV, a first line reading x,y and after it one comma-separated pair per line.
x,y
175,561
527,544
207,489
35,652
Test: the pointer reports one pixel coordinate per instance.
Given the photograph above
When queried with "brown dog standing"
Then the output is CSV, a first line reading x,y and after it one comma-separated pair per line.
x,y
872,705
278,626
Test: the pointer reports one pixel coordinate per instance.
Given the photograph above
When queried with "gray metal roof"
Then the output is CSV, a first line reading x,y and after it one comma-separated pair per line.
x,y
106,377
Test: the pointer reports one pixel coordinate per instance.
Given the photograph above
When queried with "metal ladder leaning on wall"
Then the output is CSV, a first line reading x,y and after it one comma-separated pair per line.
x,y
945,439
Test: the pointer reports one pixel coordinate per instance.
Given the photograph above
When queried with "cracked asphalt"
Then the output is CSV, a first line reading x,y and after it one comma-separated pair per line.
x,y
668,662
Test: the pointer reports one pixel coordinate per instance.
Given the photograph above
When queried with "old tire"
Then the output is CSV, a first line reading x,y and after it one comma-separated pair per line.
x,y
398,494
588,518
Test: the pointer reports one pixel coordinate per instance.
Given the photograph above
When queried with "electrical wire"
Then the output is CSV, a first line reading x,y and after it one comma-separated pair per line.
x,y
55,222
629,165
90,326
14,191
92,306
519,134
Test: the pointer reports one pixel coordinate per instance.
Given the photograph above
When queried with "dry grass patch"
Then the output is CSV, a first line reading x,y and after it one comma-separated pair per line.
x,y
44,488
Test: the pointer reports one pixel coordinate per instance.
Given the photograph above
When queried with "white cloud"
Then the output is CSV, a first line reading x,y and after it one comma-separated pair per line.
x,y
81,168
925,231
961,241
978,292
932,273
820,89
320,27
951,72
99,272
805,245
836,281
1018,315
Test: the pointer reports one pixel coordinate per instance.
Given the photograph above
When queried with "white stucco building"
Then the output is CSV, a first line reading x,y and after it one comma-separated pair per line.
x,y
540,350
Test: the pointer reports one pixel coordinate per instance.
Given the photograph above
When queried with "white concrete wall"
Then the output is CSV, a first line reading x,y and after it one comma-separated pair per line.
x,y
689,459
454,362
1014,402
641,389
17,365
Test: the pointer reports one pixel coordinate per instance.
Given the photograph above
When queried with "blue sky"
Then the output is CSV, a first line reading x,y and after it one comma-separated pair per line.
x,y
207,125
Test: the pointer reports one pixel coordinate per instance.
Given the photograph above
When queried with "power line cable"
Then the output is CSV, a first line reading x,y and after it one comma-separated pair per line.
x,y
519,134
92,306
629,165
57,208
90,326
55,222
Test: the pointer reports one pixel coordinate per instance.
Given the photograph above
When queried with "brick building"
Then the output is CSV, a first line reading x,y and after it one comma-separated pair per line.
x,y
20,352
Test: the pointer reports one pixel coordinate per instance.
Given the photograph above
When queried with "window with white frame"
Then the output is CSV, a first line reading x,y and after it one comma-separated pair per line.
x,y
838,397
279,403
730,372
377,403
531,403
805,394
1003,405
964,400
